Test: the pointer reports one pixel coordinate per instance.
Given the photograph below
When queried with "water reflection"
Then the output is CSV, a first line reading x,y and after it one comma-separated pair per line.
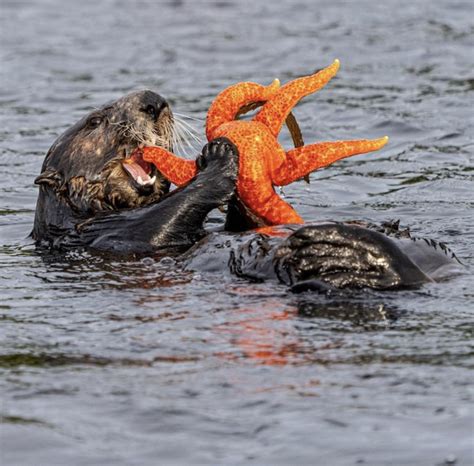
x,y
274,335
363,312
262,336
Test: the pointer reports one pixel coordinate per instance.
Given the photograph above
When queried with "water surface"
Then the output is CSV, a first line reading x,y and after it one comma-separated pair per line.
x,y
111,362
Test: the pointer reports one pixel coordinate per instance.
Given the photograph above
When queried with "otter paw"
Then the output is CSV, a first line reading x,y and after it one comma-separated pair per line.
x,y
221,155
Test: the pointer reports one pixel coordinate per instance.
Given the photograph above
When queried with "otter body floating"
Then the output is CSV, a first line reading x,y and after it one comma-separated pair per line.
x,y
263,163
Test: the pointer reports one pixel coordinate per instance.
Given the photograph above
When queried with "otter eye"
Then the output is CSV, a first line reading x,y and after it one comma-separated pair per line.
x,y
95,121
151,110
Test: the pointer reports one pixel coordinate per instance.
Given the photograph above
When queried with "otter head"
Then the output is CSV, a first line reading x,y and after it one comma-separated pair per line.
x,y
92,167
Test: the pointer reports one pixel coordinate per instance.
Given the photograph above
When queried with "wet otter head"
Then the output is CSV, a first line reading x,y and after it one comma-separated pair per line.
x,y
92,168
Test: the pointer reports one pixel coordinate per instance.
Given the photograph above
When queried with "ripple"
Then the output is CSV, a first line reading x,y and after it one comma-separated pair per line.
x,y
111,361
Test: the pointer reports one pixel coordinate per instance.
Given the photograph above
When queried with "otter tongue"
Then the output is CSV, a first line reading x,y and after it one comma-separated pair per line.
x,y
138,173
136,170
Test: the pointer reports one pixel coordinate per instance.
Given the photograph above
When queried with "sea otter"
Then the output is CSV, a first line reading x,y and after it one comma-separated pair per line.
x,y
96,191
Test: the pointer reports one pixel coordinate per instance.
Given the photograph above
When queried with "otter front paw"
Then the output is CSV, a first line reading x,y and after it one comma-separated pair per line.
x,y
221,157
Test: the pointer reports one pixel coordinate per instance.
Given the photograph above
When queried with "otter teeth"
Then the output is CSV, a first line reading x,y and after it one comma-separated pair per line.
x,y
147,182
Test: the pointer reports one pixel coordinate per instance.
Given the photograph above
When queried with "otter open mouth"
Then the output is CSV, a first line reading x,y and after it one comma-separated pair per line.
x,y
140,171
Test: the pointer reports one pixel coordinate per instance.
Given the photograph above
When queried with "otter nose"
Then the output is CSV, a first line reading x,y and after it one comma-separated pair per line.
x,y
153,104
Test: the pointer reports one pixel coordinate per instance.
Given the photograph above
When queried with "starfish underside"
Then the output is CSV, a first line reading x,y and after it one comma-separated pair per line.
x,y
263,163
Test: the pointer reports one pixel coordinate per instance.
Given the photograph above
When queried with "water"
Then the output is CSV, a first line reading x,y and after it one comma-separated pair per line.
x,y
137,362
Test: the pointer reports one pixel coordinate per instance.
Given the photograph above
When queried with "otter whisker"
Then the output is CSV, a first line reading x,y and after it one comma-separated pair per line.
x,y
185,123
179,142
143,135
190,129
185,139
167,133
187,133
182,115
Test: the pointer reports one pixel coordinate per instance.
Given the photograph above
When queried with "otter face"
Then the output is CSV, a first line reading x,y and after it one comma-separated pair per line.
x,y
92,165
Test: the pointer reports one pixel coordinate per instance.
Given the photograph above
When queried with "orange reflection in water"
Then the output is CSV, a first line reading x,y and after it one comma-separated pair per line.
x,y
264,334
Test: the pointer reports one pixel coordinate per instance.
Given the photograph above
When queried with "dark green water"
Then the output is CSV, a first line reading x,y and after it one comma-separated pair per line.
x,y
133,363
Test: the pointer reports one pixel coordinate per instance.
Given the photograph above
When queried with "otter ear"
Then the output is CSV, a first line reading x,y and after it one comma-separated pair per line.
x,y
49,178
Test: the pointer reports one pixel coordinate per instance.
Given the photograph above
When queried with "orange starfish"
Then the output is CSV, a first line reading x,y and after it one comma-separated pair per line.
x,y
263,163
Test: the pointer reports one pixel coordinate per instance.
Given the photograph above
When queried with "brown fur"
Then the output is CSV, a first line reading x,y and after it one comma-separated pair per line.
x,y
84,167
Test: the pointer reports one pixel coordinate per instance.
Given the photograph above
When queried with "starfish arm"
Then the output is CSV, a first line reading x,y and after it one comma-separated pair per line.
x,y
303,160
262,199
228,103
275,111
176,169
